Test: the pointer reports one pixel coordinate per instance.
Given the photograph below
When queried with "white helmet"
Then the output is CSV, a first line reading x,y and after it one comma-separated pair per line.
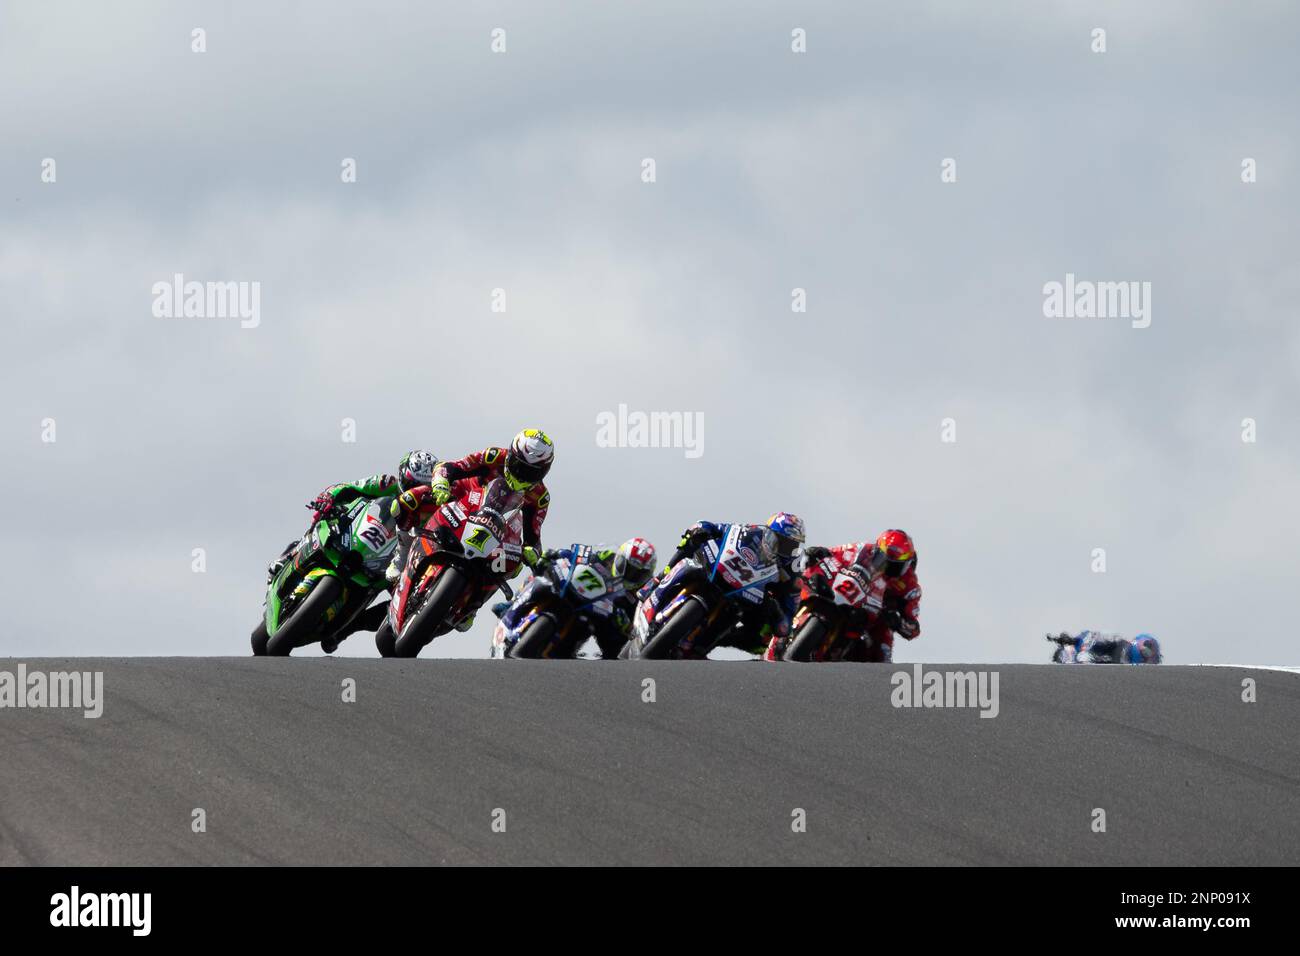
x,y
415,469
529,458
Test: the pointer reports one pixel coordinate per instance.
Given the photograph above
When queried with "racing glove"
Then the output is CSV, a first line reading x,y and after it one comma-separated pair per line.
x,y
815,553
321,506
893,620
648,588
532,557
441,489
692,536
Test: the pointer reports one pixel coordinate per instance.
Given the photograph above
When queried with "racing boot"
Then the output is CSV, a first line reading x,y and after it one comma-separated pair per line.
x,y
368,620
274,567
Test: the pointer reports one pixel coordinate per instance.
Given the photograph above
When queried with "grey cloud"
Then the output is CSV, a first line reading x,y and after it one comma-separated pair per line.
x,y
774,172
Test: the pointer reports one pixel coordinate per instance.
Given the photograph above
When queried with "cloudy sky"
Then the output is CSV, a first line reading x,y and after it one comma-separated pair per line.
x,y
774,170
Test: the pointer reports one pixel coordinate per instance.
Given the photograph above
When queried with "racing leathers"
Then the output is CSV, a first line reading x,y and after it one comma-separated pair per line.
x,y
488,464
1092,647
418,504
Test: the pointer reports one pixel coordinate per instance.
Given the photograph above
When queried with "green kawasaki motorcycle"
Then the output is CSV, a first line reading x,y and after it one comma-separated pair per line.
x,y
329,578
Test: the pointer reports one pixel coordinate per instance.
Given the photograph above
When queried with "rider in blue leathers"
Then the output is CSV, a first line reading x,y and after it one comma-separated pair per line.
x,y
630,566
773,616
1100,647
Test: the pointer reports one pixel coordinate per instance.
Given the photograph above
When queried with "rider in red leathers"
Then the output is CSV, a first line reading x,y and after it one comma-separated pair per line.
x,y
522,466
902,594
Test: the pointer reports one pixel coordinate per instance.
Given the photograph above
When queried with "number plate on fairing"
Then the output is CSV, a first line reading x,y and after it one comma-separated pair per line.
x,y
374,535
740,568
852,587
588,583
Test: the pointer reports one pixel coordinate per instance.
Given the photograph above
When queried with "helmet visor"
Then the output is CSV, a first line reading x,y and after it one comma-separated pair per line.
x,y
896,569
786,547
521,473
409,479
630,573
874,561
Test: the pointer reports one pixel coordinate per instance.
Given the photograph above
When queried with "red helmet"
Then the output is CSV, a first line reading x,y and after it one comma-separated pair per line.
x,y
899,552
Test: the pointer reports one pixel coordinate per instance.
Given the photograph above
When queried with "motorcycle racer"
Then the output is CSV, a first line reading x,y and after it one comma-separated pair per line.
x,y
1100,647
415,468
780,598
902,605
523,465
630,564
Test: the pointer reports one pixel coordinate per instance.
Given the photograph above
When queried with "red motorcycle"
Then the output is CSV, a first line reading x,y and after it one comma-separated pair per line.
x,y
838,603
468,549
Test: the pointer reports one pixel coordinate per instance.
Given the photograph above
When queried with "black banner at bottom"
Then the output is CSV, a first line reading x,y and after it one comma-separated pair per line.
x,y
337,904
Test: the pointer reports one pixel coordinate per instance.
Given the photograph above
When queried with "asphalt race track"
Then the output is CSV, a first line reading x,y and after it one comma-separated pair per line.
x,y
581,770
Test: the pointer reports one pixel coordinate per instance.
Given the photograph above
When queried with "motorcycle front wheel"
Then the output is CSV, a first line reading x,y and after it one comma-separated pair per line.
x,y
807,642
536,639
305,624
259,639
386,640
419,631
683,624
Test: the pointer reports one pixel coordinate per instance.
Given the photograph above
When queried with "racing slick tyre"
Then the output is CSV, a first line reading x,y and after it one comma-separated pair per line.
x,y
259,639
535,639
807,642
682,624
305,623
419,630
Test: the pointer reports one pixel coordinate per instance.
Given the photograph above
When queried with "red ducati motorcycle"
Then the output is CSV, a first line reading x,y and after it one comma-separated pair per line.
x,y
838,603
470,547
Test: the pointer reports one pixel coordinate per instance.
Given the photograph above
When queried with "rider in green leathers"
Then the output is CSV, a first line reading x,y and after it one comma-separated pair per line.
x,y
415,469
